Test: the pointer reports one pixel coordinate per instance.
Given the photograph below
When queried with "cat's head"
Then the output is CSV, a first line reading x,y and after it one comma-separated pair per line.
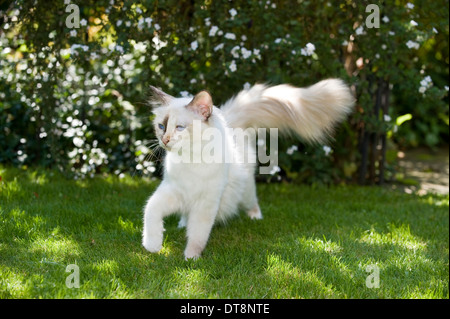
x,y
174,117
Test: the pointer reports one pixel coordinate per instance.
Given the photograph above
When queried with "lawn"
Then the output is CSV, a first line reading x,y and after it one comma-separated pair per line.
x,y
317,242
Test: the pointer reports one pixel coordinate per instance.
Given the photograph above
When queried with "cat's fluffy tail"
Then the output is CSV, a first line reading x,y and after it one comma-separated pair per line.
x,y
310,112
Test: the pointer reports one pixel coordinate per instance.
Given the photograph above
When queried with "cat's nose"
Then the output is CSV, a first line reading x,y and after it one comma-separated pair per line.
x,y
165,140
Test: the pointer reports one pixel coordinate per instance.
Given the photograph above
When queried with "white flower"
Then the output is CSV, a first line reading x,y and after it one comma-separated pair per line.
x,y
234,52
275,169
76,46
119,48
232,12
435,30
194,45
248,85
446,88
310,47
413,23
83,22
213,31
119,23
327,150
386,118
218,47
157,27
233,66
140,24
21,157
426,81
308,50
185,94
412,45
292,149
246,53
73,33
230,36
359,30
73,153
78,142
409,5
385,19
425,84
278,40
138,10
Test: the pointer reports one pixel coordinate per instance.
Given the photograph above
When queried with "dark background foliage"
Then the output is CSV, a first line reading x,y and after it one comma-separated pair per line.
x,y
75,98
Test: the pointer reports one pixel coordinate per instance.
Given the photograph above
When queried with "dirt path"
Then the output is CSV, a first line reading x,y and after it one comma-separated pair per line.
x,y
425,171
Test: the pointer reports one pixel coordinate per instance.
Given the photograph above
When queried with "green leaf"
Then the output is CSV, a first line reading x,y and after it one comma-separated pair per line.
x,y
403,118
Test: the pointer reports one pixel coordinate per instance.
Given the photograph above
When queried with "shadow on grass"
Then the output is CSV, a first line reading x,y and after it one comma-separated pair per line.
x,y
312,243
49,223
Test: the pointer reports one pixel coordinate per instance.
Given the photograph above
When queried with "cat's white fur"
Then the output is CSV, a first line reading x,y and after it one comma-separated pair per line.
x,y
204,193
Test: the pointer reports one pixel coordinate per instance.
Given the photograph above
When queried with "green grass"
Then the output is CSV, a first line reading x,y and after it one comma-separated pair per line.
x,y
312,243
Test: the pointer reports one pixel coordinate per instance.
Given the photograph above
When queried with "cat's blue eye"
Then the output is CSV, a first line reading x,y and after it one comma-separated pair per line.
x,y
180,127
161,126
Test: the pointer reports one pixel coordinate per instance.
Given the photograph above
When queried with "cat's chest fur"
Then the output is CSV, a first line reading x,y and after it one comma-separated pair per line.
x,y
191,178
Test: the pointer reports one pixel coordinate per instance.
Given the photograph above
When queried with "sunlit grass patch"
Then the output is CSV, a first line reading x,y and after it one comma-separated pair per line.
x,y
312,243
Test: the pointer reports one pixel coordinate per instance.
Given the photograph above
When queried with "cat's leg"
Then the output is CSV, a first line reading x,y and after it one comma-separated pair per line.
x,y
162,203
250,201
199,224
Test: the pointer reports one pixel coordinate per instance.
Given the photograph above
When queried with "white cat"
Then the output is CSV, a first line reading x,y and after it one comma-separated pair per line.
x,y
204,192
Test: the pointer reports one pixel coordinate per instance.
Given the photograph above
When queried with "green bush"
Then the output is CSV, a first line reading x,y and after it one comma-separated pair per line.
x,y
75,98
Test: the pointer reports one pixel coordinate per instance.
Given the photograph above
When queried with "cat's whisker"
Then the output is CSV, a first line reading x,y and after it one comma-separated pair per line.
x,y
155,152
151,143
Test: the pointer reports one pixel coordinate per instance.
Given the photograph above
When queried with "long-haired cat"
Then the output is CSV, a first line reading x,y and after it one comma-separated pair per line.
x,y
204,192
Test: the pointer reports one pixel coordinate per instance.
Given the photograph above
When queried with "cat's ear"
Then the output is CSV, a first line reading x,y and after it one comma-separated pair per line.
x,y
158,97
202,104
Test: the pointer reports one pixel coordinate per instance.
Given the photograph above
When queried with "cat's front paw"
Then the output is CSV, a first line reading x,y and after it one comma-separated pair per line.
x,y
255,213
152,245
192,253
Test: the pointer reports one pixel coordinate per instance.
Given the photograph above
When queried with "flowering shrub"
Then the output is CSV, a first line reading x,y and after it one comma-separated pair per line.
x,y
73,91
